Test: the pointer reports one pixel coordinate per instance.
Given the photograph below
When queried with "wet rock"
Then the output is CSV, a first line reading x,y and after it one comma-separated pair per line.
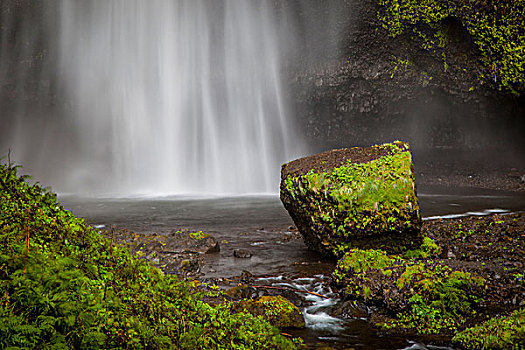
x,y
359,197
242,291
177,253
242,253
190,242
462,288
277,310
351,309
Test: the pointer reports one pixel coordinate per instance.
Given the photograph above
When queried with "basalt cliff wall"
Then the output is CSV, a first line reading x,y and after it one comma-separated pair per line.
x,y
363,86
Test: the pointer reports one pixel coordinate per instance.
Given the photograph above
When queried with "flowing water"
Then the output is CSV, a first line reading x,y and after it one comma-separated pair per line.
x,y
180,96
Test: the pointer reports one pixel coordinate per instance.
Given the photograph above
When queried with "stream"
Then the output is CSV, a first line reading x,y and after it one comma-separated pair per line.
x,y
261,225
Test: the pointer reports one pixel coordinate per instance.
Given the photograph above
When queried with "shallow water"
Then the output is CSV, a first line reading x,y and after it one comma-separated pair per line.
x,y
262,225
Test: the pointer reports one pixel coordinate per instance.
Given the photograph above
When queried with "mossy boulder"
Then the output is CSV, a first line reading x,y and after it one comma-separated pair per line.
x,y
354,198
500,332
428,296
278,311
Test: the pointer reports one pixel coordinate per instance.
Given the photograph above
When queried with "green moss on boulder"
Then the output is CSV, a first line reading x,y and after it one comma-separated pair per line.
x,y
354,198
278,311
498,333
427,296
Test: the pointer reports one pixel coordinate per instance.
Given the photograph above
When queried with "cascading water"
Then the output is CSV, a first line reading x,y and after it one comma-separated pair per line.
x,y
169,96
179,96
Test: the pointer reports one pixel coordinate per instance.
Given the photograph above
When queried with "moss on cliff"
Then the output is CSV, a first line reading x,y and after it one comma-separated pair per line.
x,y
497,28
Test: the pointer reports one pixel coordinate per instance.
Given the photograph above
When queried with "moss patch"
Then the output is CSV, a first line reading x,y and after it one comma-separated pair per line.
x,y
427,296
501,332
277,310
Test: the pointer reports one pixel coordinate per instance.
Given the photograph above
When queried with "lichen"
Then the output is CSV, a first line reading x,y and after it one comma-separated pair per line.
x,y
497,29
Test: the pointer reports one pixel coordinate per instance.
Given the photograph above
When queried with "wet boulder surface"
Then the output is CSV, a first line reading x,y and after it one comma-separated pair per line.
x,y
354,198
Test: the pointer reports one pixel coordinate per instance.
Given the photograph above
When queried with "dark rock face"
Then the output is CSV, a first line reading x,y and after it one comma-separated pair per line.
x,y
374,87
359,197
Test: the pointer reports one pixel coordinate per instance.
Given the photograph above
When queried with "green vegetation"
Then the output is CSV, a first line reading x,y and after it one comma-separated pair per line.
x,y
423,295
277,310
440,298
428,249
497,28
498,333
197,235
359,261
351,201
62,285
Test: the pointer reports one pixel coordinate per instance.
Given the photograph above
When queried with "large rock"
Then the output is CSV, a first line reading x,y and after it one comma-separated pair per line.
x,y
354,198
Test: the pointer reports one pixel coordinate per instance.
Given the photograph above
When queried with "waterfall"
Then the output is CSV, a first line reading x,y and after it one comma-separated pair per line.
x,y
179,96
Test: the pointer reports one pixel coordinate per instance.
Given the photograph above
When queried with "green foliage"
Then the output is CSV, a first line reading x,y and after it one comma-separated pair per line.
x,y
423,295
64,286
428,249
498,333
438,297
358,261
198,235
497,29
277,310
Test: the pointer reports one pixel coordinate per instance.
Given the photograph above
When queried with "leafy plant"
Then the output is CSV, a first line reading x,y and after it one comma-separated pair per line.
x,y
62,286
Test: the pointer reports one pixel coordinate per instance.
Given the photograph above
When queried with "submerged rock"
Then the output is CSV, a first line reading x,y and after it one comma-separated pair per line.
x,y
354,198
242,253
277,310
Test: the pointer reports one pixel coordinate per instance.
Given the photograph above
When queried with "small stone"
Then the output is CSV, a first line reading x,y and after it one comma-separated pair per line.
x,y
242,253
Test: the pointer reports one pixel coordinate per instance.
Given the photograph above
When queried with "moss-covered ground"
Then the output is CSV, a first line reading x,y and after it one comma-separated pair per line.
x,y
498,333
64,286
